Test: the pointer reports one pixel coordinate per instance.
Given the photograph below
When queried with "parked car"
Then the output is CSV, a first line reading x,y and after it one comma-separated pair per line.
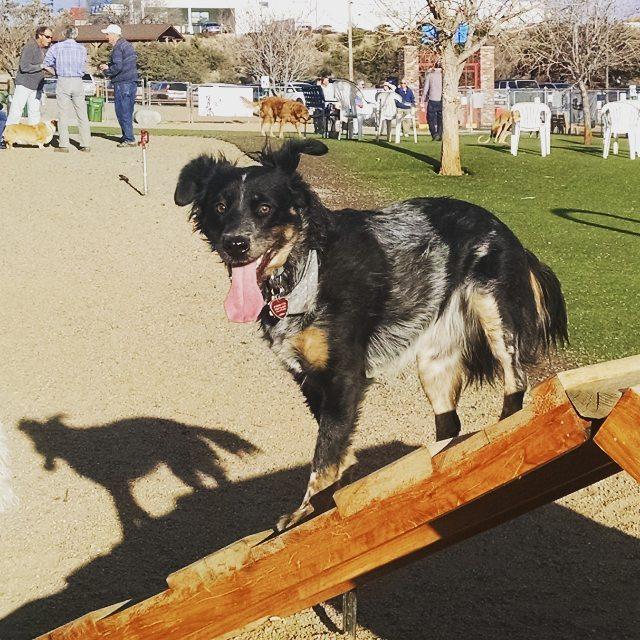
x,y
174,92
516,84
88,84
560,86
211,28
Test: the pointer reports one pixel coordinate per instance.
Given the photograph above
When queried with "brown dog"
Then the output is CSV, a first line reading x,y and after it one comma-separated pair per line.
x,y
30,134
501,127
274,109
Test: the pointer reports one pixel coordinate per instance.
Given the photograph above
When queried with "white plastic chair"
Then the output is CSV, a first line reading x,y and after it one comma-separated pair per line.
x,y
345,93
387,112
410,116
534,116
620,118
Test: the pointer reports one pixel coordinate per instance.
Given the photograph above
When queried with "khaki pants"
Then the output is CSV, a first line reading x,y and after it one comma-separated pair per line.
x,y
70,99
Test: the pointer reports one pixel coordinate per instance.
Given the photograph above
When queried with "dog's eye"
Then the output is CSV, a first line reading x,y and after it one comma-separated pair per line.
x,y
221,207
264,209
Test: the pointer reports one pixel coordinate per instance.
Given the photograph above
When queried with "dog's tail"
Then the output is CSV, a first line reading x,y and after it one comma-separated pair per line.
x,y
550,305
7,497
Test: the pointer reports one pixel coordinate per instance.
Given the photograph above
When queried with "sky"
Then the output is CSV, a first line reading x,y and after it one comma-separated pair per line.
x,y
365,13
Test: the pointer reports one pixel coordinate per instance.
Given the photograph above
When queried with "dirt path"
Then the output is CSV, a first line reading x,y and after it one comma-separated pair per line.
x,y
146,431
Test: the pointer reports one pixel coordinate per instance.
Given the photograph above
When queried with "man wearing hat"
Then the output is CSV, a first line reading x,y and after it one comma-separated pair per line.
x,y
124,77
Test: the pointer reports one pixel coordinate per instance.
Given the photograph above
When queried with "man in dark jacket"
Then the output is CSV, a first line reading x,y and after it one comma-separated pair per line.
x,y
30,78
124,76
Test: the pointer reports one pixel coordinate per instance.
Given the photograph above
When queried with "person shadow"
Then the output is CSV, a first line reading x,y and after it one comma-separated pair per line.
x,y
116,454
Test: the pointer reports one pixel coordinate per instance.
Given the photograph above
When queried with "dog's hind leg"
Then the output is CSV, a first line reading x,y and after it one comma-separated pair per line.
x,y
442,376
503,343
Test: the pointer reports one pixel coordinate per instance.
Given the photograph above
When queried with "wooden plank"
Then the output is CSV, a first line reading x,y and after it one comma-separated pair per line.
x,y
595,390
230,558
619,435
456,452
384,482
84,626
332,550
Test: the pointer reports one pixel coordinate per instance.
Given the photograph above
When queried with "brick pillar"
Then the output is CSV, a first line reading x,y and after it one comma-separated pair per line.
x,y
408,67
487,79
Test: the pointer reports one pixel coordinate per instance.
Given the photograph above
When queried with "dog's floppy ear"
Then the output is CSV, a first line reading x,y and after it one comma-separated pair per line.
x,y
194,178
287,157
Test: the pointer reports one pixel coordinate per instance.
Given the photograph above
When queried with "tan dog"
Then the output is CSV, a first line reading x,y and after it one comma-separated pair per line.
x,y
30,134
501,127
274,109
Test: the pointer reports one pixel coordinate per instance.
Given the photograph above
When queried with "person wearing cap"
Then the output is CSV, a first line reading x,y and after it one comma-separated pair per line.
x,y
67,59
123,72
30,78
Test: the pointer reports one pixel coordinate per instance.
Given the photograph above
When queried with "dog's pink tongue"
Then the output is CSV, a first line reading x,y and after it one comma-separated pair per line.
x,y
244,300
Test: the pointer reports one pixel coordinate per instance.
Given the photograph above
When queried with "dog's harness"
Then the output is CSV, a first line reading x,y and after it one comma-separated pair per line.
x,y
298,301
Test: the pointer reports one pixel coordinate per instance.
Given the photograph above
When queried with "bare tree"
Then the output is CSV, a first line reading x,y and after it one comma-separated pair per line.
x,y
18,23
278,49
482,19
579,40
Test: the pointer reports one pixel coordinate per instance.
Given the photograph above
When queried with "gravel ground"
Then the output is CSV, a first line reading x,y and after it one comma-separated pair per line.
x,y
146,431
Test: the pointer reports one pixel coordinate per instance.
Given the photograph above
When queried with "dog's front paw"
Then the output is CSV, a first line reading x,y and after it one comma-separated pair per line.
x,y
291,519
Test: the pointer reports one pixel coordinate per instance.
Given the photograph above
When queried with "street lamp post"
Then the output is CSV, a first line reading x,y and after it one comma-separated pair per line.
x,y
350,39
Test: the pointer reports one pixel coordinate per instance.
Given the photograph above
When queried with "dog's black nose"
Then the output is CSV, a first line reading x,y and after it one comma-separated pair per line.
x,y
235,246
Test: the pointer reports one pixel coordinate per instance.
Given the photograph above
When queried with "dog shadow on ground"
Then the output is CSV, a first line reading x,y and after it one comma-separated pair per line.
x,y
576,215
116,454
422,157
550,574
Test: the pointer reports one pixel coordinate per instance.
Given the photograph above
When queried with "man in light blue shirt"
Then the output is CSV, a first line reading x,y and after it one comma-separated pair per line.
x,y
68,61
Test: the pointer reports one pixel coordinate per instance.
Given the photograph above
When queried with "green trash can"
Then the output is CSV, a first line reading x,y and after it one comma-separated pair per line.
x,y
94,109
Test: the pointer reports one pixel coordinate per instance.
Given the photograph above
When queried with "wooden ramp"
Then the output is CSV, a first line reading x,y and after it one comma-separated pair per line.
x,y
581,426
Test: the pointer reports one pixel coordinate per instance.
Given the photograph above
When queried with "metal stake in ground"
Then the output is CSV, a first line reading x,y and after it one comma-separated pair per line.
x,y
144,141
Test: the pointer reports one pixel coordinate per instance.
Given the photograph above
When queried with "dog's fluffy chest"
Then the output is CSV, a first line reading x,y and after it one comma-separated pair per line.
x,y
281,337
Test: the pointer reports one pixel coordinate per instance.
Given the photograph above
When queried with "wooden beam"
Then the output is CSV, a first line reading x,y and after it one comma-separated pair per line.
x,y
331,553
619,436
595,389
426,501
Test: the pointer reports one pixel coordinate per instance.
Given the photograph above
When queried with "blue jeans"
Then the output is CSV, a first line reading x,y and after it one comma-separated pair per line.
x,y
434,118
3,122
125,100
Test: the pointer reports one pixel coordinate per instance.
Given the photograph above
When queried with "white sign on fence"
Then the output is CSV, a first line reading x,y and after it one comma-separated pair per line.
x,y
225,101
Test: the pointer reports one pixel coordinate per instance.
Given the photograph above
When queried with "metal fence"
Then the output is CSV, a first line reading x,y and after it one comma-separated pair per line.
x,y
182,105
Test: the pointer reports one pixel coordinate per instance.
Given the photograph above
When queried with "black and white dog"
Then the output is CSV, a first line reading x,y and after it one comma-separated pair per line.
x,y
344,295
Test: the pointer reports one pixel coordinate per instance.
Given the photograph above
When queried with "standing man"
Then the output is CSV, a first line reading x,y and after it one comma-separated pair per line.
x,y
432,97
124,76
406,102
68,60
30,78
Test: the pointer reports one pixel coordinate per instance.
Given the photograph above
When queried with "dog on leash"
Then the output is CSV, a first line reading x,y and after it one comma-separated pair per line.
x,y
501,127
36,135
342,296
275,109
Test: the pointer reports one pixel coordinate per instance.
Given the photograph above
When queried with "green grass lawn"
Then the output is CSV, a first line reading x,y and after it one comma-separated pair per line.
x,y
578,212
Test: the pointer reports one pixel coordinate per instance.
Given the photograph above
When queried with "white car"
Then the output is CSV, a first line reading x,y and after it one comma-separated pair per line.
x,y
88,84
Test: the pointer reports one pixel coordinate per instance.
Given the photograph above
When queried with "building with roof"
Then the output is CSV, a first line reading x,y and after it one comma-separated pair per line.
x,y
92,33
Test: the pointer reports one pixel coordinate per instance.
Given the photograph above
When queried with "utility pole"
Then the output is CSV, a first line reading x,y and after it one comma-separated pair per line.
x,y
350,38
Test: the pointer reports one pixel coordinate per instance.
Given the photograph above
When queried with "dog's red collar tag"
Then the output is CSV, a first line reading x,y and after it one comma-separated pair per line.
x,y
279,307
